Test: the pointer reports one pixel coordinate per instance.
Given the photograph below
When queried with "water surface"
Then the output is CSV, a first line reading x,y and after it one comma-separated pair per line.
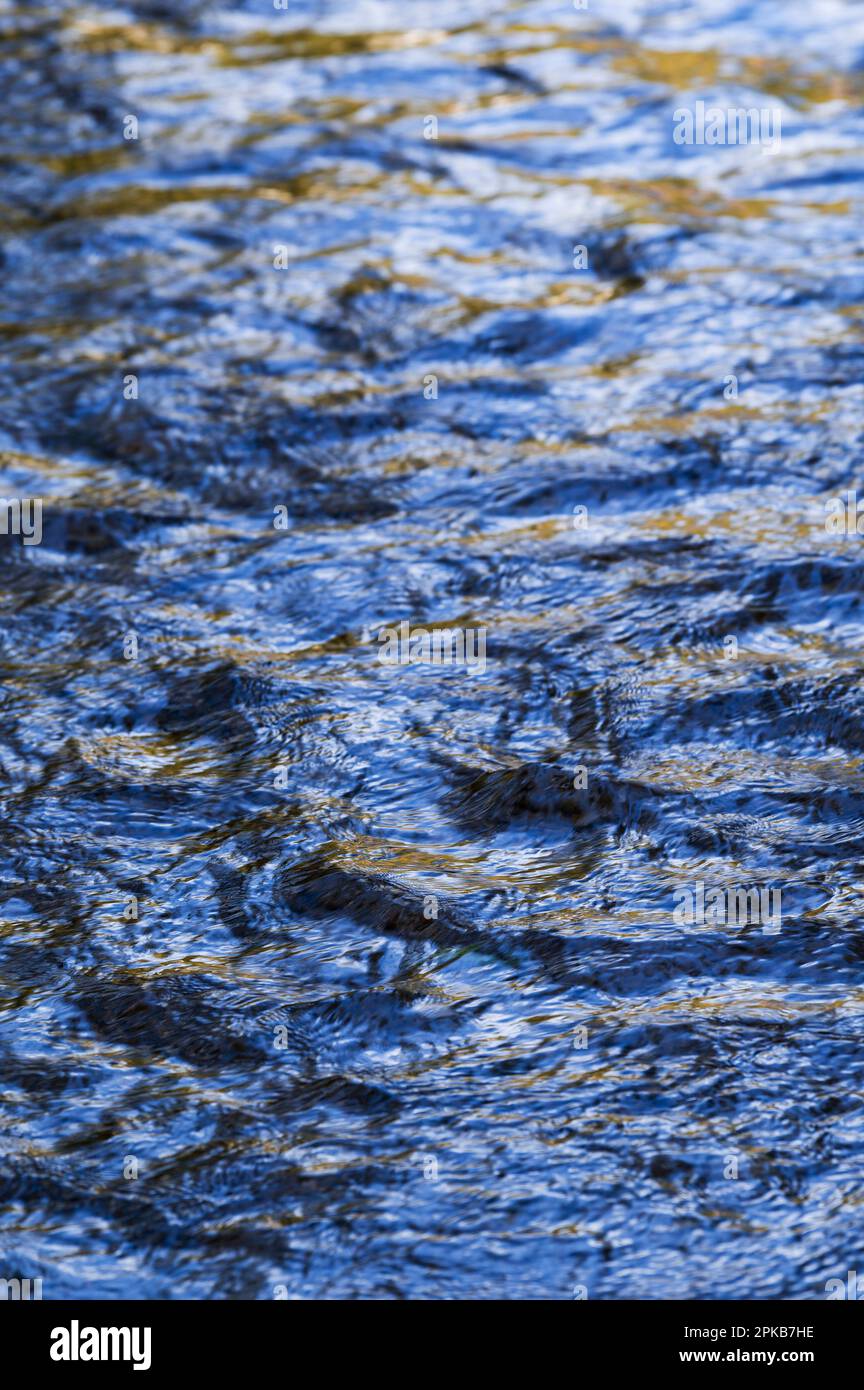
x,y
327,1093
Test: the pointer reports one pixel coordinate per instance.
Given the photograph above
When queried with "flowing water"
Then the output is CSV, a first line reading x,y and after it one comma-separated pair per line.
x,y
375,974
